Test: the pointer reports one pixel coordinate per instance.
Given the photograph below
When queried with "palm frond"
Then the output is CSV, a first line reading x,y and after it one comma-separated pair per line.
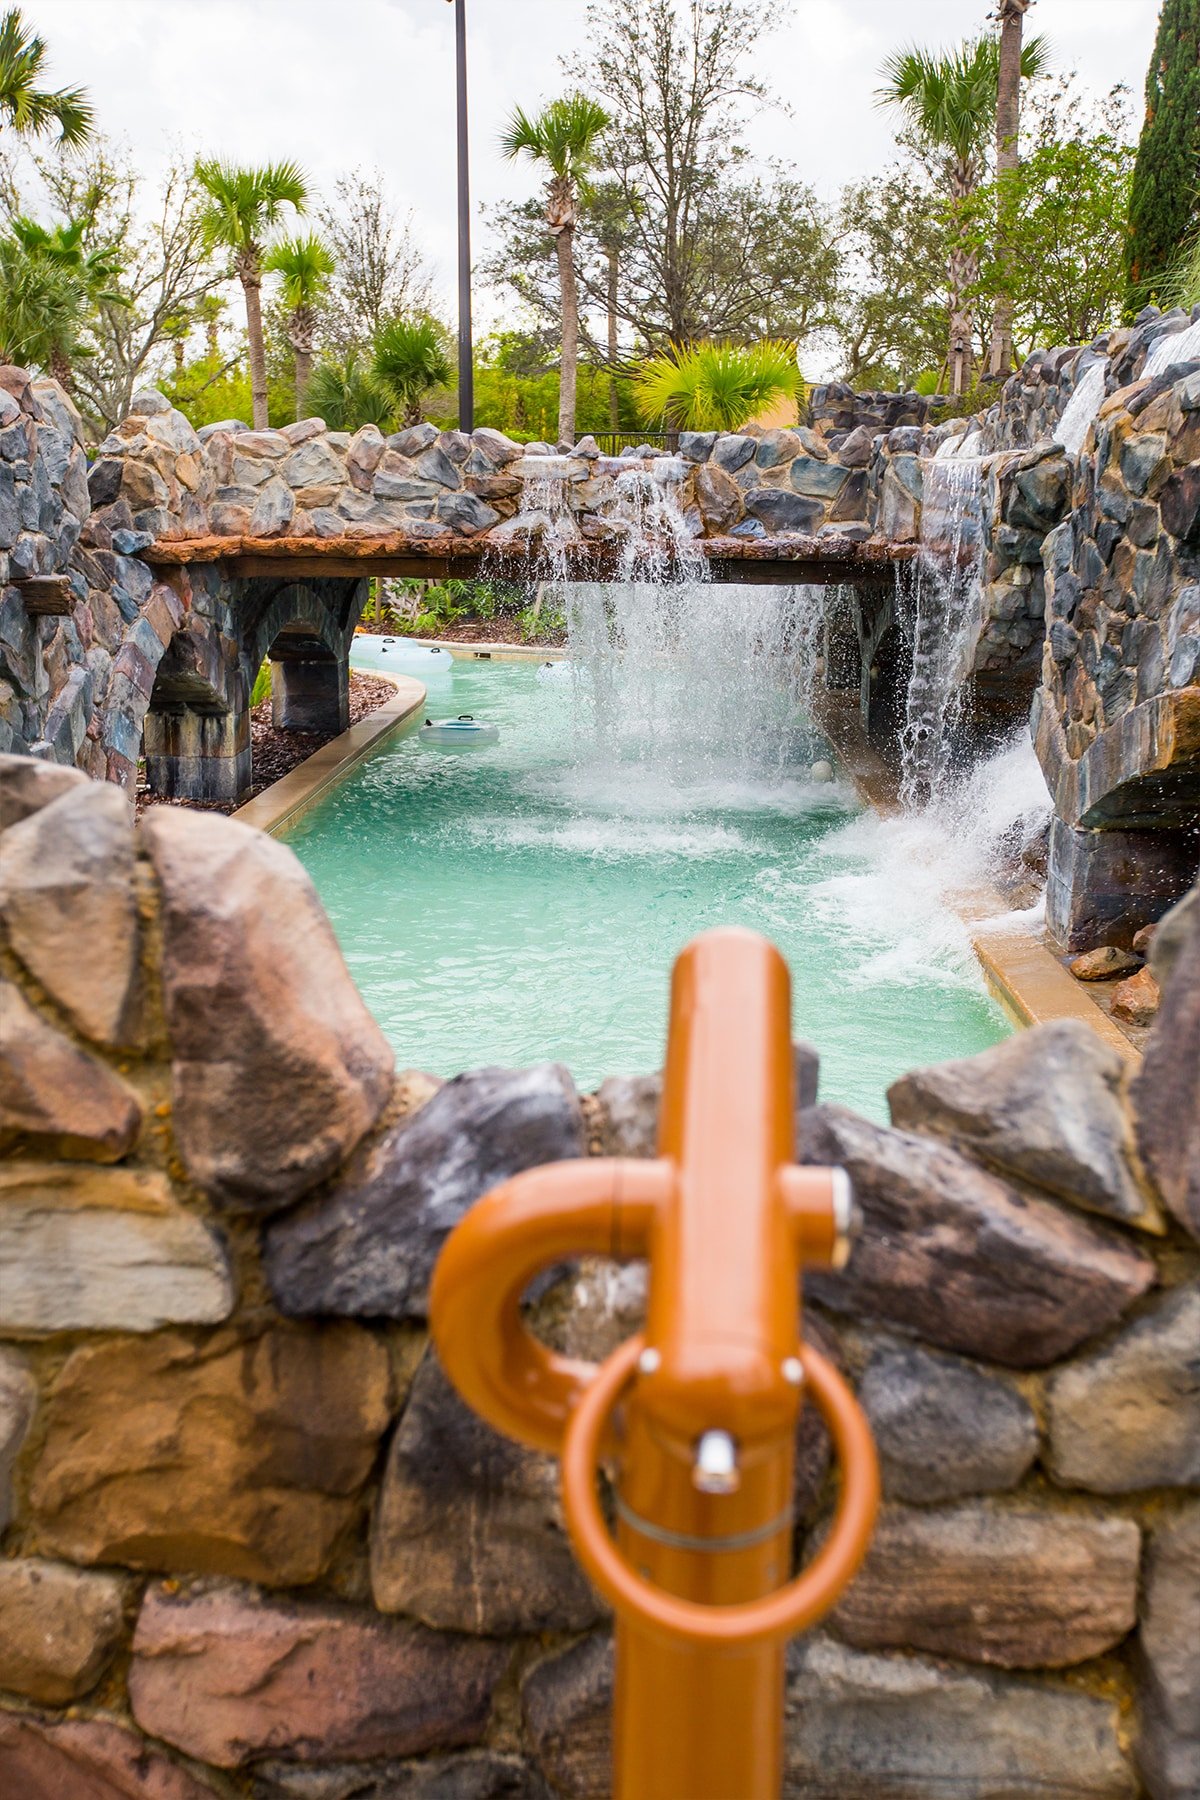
x,y
305,263
565,135
715,387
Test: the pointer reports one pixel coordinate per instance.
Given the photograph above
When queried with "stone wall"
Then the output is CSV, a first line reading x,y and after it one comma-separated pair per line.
x,y
254,1546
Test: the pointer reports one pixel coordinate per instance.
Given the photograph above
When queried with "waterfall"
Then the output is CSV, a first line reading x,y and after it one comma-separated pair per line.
x,y
1082,407
1173,347
939,613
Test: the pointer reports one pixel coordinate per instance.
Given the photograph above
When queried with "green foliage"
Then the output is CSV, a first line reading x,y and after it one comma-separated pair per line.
x,y
305,265
206,391
891,320
545,620
1163,203
564,135
517,393
32,111
41,307
262,684
949,96
410,357
244,205
343,392
716,387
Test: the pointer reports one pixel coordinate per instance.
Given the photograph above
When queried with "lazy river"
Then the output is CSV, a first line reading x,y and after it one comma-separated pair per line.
x,y
523,900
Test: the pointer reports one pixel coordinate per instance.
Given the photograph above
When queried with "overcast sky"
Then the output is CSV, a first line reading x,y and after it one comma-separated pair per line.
x,y
338,83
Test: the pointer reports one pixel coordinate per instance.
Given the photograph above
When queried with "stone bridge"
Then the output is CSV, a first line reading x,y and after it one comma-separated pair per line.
x,y
143,591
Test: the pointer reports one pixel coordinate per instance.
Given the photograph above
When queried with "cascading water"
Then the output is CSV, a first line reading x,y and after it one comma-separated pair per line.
x,y
939,611
1081,408
1173,347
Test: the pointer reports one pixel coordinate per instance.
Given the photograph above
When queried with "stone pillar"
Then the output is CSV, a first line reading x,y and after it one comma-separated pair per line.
x,y
1102,886
310,687
197,754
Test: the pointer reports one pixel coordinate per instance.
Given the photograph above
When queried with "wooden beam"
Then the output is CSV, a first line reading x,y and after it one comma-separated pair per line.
x,y
46,596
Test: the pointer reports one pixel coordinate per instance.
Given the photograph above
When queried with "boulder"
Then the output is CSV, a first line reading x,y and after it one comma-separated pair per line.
x,y
27,784
871,1727
566,1700
18,1397
88,1759
629,1105
1169,1668
468,1533
227,1675
718,497
1104,964
1046,1106
104,1250
68,907
781,511
1166,1094
55,1098
61,1629
963,1259
1127,1417
466,513
367,1248
1136,999
244,1455
943,1428
994,1582
471,1775
731,450
278,1069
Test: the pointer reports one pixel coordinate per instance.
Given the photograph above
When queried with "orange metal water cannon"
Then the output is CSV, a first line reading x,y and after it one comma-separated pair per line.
x,y
696,1417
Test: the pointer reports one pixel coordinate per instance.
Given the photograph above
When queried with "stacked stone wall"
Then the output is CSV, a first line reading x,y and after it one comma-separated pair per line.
x,y
252,1543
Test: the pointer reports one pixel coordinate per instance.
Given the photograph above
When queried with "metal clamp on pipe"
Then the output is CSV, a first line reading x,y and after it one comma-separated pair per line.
x,y
697,1416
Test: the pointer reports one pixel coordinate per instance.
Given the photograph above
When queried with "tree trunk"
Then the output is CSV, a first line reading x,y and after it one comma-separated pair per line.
x,y
564,243
614,399
301,327
60,369
1008,120
250,276
960,267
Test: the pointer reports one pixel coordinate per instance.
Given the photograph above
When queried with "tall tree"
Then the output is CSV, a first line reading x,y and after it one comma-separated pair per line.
x,y
890,318
611,221
1163,205
949,98
1011,15
565,138
41,307
91,272
32,111
381,272
244,206
305,264
410,357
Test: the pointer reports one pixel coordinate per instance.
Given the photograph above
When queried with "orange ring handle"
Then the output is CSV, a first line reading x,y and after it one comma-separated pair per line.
x,y
774,1617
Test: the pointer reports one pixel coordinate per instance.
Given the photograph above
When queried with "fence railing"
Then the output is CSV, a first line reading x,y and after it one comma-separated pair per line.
x,y
613,442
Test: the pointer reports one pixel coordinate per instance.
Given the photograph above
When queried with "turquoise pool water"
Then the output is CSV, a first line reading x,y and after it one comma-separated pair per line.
x,y
525,900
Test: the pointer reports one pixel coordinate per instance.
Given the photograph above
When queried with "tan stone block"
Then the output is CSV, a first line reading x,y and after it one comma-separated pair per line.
x,y
54,1097
18,1397
244,1455
104,1249
60,1629
87,1759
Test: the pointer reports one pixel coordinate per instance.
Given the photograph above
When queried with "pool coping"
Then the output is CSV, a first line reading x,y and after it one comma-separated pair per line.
x,y
1020,970
287,799
498,652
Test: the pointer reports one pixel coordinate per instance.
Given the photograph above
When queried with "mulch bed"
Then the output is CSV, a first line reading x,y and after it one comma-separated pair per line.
x,y
277,753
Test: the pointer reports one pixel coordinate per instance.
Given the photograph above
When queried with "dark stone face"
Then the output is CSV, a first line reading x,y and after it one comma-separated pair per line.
x,y
1179,503
781,511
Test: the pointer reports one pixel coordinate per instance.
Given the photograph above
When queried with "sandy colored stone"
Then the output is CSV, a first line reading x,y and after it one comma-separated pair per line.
x,y
961,1257
994,1582
1128,1416
68,908
59,1629
1166,1094
243,1455
227,1676
88,1759
55,1098
27,784
1046,1106
469,1533
87,1249
1104,964
1136,999
18,1397
278,1068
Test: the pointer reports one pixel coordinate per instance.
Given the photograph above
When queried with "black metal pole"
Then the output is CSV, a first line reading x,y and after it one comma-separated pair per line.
x,y
466,371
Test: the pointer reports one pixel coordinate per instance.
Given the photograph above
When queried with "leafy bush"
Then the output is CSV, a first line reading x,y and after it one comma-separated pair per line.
x,y
716,387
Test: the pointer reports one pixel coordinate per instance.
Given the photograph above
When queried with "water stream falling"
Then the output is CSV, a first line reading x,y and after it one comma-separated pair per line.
x,y
939,610
1082,407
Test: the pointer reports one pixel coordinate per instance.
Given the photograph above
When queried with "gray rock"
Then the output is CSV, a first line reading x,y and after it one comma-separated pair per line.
x,y
775,448
367,1248
855,450
960,1257
468,1532
148,402
629,1105
27,784
1046,1106
696,446
819,480
498,448
566,1701
473,1775
435,465
731,450
314,464
1128,1416
943,1428
871,1727
274,509
466,513
1166,1094
994,1582
414,439
18,1397
781,511
1168,1749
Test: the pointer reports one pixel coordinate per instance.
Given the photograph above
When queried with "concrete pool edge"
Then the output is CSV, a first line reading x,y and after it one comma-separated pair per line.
x,y
287,799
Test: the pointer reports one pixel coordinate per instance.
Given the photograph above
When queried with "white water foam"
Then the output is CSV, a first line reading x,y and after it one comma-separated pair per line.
x,y
1173,347
1083,406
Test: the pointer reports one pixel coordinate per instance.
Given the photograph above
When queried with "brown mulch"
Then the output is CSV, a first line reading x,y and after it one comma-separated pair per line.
x,y
277,753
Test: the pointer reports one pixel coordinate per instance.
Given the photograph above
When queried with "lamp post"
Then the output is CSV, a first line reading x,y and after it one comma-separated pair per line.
x,y
466,371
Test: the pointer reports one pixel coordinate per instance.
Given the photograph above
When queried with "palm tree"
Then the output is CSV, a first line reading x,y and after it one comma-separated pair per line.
x,y
41,307
612,217
950,100
90,272
410,358
306,265
1011,14
32,111
565,137
715,387
344,392
244,205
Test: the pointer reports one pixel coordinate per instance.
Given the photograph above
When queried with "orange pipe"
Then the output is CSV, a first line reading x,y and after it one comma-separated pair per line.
x,y
700,1414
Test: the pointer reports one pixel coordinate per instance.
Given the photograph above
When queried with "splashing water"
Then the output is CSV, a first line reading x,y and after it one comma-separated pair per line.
x,y
939,612
1173,347
1082,408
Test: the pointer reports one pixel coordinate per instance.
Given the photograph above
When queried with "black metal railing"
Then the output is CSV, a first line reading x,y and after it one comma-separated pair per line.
x,y
613,442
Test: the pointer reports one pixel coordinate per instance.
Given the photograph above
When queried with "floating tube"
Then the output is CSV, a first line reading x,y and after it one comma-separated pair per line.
x,y
463,733
554,671
398,654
